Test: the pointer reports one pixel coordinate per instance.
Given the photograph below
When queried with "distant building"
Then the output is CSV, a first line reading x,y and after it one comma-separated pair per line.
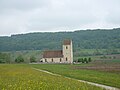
x,y
60,56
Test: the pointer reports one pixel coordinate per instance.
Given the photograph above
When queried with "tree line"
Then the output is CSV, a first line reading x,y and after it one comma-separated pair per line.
x,y
83,60
82,39
6,58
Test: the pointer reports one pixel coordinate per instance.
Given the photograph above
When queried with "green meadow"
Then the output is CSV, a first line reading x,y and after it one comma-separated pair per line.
x,y
23,77
101,77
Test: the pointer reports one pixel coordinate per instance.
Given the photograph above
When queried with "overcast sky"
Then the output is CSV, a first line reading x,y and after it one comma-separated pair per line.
x,y
23,16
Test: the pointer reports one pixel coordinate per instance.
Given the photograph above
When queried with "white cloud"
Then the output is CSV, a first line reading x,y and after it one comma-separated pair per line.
x,y
19,16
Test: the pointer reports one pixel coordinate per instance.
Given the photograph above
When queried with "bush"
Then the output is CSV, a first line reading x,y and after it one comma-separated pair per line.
x,y
5,58
80,59
2,61
32,59
89,59
19,59
84,60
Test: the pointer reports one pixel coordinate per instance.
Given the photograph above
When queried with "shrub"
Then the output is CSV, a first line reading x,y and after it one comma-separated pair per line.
x,y
32,59
19,59
80,59
85,60
89,59
2,61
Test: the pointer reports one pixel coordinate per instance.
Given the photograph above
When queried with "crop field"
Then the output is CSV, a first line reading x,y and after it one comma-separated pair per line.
x,y
101,57
98,73
23,77
112,66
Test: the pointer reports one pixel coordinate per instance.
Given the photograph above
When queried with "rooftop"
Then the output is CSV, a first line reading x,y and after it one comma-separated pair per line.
x,y
67,42
53,54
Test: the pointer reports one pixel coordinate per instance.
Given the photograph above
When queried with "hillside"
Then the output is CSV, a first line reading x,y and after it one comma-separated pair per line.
x,y
82,39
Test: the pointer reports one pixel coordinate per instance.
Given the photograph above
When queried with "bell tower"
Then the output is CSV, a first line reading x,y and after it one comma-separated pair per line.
x,y
67,51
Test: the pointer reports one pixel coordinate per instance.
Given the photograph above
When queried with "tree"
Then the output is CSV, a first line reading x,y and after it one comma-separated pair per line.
x,y
5,58
8,58
85,60
2,61
19,59
80,59
32,59
83,39
89,59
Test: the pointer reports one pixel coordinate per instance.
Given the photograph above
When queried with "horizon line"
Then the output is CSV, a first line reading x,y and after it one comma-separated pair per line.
x,y
29,32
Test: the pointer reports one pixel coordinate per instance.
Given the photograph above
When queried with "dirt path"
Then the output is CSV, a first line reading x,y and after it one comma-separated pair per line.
x,y
99,85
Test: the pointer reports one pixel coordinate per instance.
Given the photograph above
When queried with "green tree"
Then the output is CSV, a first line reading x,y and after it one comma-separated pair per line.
x,y
82,39
5,58
79,59
2,61
89,59
8,58
32,59
85,60
19,59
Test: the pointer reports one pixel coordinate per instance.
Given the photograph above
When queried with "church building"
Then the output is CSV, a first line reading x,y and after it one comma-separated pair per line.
x,y
59,56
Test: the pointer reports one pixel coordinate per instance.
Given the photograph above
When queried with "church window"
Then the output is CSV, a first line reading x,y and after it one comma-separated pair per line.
x,y
66,47
66,59
52,59
60,60
45,60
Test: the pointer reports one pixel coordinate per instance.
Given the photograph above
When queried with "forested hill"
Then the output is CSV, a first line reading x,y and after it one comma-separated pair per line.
x,y
83,39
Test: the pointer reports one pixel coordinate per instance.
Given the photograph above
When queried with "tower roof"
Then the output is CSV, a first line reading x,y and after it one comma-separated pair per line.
x,y
53,54
67,42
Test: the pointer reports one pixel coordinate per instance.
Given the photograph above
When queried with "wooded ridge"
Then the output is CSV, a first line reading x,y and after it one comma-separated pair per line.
x,y
82,39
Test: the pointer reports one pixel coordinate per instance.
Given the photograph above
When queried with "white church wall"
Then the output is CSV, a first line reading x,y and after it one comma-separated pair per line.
x,y
53,60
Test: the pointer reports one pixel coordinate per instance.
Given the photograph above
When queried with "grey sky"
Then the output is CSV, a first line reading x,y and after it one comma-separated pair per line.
x,y
21,16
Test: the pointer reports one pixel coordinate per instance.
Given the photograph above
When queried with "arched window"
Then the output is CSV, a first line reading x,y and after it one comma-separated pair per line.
x,y
52,59
66,59
66,47
60,59
45,60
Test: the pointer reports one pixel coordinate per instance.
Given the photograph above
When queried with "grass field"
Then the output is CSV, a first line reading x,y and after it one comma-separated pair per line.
x,y
23,77
75,71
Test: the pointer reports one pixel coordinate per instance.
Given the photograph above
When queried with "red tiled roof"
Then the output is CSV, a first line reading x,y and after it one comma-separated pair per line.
x,y
67,42
52,54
